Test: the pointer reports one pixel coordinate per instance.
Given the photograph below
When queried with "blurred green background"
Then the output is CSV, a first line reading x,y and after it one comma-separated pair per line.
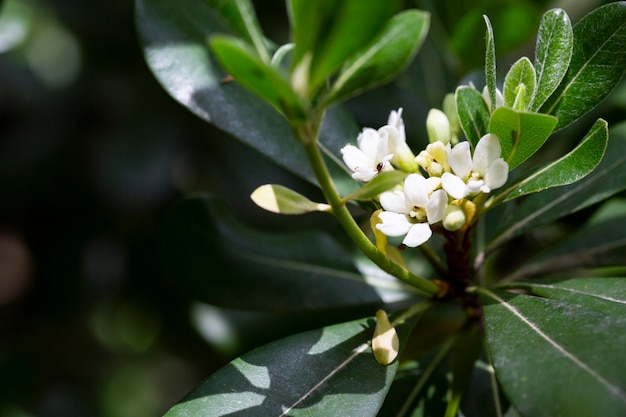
x,y
93,152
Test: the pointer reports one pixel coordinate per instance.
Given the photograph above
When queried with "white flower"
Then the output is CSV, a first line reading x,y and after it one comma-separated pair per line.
x,y
438,127
499,98
410,211
371,157
403,157
482,173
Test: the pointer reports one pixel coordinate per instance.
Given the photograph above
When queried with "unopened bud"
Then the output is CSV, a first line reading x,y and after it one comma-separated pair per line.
x,y
454,218
438,127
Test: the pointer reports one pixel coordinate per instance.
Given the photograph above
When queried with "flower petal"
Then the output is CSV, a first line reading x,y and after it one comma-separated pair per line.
x,y
436,206
460,159
416,190
487,151
454,186
497,174
368,141
418,234
364,174
354,157
393,224
394,201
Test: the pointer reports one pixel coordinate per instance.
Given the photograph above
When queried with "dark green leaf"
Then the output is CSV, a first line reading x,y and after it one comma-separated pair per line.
x,y
174,39
381,182
473,113
606,295
598,64
325,372
554,358
569,168
242,19
249,70
490,63
385,57
552,54
597,245
520,76
342,28
607,179
214,258
521,134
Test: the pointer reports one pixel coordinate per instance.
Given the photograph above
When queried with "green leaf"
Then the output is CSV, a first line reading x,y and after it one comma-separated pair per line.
x,y
553,53
538,209
554,358
598,64
214,258
595,245
283,200
249,70
341,28
388,54
473,113
606,295
324,372
569,168
242,19
490,63
521,134
381,182
174,40
522,73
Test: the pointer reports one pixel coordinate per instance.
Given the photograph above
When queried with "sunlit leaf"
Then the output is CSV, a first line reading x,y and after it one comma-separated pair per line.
x,y
536,339
387,55
597,65
490,63
552,54
174,40
473,113
570,168
521,134
521,74
242,19
249,70
283,200
324,372
607,179
215,258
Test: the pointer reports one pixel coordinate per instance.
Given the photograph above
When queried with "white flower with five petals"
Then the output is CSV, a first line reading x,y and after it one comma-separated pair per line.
x,y
483,172
370,157
410,212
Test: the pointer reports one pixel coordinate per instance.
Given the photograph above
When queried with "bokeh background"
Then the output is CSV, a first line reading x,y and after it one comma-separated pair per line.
x,y
93,154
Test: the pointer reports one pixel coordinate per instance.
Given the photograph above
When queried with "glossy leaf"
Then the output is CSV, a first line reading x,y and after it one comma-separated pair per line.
x,y
283,200
552,54
388,54
381,182
535,339
597,65
490,63
595,245
569,168
242,19
473,113
331,32
521,75
538,209
324,372
214,258
521,134
174,40
606,295
250,71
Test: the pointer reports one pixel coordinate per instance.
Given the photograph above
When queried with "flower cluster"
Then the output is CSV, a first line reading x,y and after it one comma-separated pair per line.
x,y
442,180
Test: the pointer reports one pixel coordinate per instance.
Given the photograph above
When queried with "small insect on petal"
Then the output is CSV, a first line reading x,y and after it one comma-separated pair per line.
x,y
385,342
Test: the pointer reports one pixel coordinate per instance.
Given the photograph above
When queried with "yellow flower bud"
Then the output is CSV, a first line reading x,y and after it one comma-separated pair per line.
x,y
454,218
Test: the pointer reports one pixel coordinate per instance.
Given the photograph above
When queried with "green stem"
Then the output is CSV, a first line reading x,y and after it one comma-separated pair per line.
x,y
307,134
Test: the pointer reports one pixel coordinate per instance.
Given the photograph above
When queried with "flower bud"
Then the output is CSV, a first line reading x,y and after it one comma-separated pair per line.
x,y
454,218
438,127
